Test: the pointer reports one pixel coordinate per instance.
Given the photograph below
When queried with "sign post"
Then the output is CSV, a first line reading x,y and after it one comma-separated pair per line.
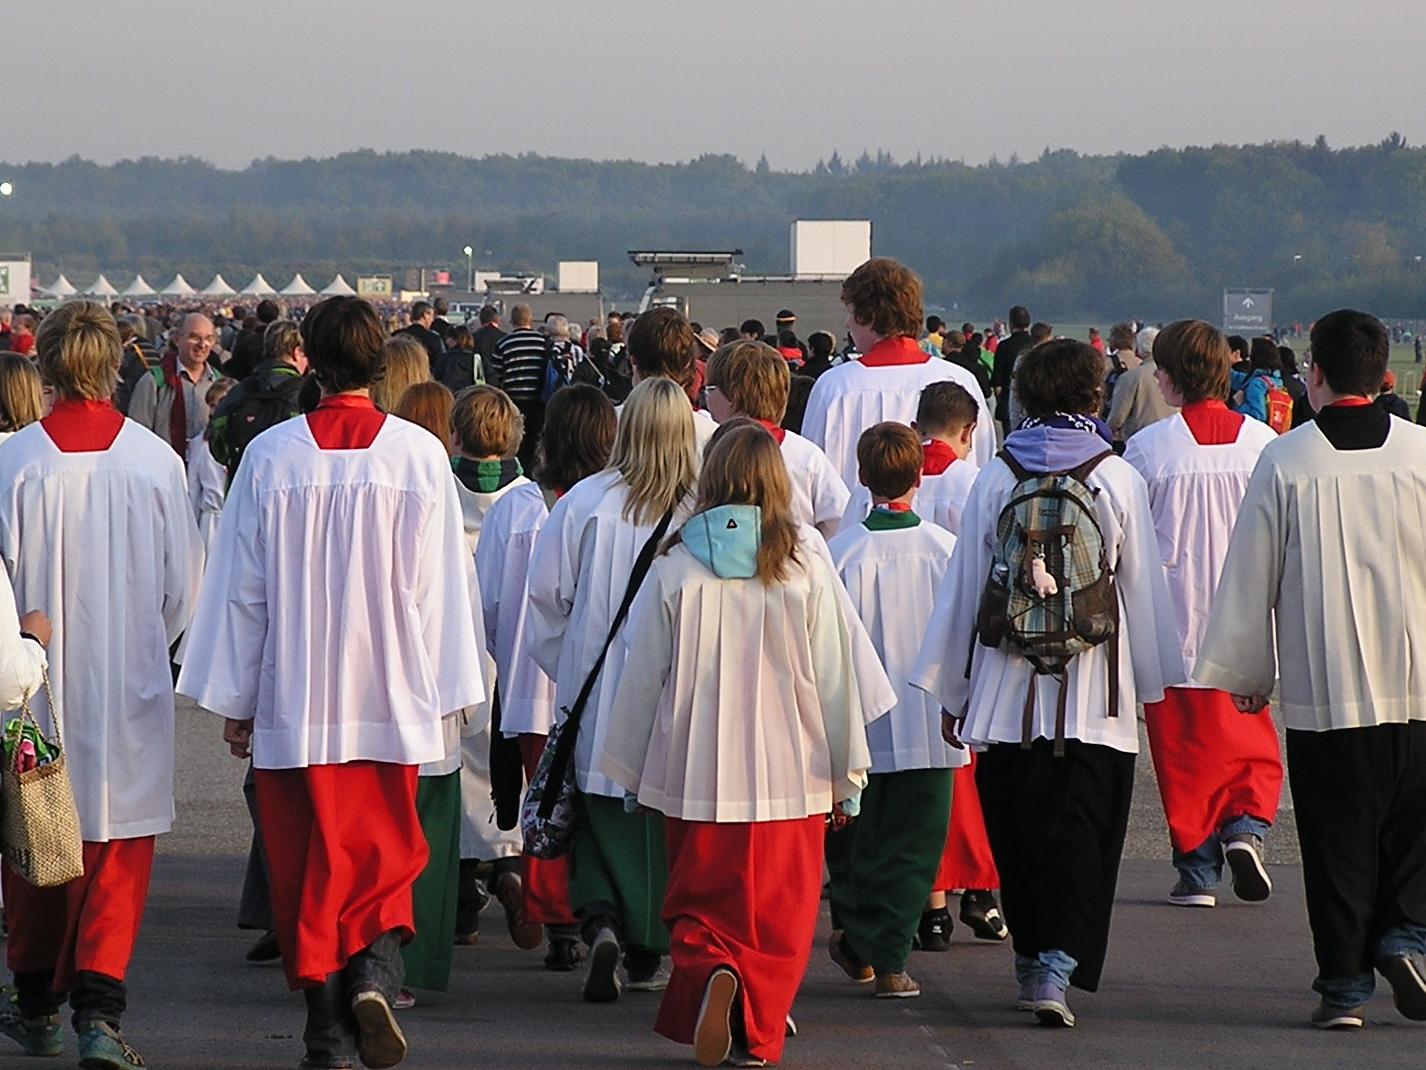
x,y
1247,312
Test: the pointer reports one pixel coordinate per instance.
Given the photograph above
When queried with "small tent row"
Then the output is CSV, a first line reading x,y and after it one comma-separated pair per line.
x,y
181,287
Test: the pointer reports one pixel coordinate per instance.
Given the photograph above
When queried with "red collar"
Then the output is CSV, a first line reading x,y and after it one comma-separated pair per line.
x,y
894,507
939,456
1350,403
891,351
1212,423
778,433
83,426
345,422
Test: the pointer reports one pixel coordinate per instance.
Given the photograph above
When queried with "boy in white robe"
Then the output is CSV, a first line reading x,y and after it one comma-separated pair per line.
x,y
207,479
751,379
339,618
95,528
883,301
884,863
1325,560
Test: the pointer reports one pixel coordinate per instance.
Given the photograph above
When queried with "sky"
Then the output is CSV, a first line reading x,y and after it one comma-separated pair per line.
x,y
237,80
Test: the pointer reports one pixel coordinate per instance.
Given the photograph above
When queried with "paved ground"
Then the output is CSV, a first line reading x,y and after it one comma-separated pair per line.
x,y
1224,989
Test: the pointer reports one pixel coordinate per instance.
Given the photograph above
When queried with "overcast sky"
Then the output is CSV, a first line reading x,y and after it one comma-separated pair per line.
x,y
666,81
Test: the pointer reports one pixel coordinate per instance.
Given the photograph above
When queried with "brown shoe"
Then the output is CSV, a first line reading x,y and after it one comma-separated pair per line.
x,y
713,1035
511,893
859,972
897,985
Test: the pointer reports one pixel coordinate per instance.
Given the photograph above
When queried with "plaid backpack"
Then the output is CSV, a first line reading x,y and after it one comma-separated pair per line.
x,y
1050,594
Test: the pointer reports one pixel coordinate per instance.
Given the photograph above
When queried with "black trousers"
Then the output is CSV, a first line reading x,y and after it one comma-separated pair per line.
x,y
94,997
1360,797
255,906
1056,828
533,410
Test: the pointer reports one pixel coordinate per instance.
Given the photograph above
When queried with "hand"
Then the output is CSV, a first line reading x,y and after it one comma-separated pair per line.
x,y
837,820
1250,703
950,729
37,624
238,736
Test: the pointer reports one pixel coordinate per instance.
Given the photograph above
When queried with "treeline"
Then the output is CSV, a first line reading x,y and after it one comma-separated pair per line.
x,y
1155,235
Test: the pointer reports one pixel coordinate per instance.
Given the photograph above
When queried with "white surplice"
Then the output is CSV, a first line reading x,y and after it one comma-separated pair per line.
x,y
819,496
207,486
1332,541
993,697
892,578
742,702
1195,492
851,397
104,542
337,611
941,499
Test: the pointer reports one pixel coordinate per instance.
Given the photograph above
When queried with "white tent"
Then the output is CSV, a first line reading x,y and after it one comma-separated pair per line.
x,y
102,287
297,287
338,287
138,288
179,287
259,287
218,287
62,288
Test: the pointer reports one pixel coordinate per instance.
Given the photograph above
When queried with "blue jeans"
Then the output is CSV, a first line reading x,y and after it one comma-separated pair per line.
x,y
1053,966
1203,868
1354,991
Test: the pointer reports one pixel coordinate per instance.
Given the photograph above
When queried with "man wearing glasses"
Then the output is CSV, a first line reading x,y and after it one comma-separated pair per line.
x,y
170,400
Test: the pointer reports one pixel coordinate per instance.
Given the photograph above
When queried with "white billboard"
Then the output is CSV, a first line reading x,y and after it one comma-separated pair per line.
x,y
578,277
834,247
14,281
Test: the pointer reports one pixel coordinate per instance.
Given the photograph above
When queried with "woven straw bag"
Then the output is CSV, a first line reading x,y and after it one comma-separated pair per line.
x,y
39,832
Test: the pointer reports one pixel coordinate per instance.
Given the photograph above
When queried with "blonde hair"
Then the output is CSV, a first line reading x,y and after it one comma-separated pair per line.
x,y
744,466
753,377
78,351
21,396
428,405
487,423
407,363
654,449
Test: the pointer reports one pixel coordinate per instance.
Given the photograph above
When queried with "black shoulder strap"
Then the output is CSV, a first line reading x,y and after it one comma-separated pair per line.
x,y
1018,469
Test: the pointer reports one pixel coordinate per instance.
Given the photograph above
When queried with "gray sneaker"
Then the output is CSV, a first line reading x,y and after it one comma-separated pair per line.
x,y
41,1035
1335,1016
601,976
1051,1006
1407,975
1186,895
1251,882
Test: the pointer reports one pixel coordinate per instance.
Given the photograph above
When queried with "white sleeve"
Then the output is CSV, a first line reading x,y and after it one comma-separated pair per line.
x,y
1152,630
647,638
553,571
450,611
814,417
838,676
490,565
982,442
22,661
182,556
830,495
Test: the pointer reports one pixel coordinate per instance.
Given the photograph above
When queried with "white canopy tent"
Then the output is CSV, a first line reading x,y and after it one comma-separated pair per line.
x,y
218,287
138,288
62,288
102,287
259,287
298,287
338,287
179,287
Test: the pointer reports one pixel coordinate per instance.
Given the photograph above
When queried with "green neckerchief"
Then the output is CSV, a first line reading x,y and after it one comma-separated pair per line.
x,y
486,477
890,519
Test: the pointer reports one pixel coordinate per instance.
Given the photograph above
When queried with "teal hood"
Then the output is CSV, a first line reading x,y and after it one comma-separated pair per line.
x,y
726,540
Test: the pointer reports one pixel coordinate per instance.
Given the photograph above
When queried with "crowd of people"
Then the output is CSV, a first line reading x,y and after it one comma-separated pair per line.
x,y
871,618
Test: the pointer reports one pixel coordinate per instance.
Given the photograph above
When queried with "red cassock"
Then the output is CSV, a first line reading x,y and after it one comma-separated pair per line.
x,y
546,880
1213,763
744,896
90,924
966,861
344,846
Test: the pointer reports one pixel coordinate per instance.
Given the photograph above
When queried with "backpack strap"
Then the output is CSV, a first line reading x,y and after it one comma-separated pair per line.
x,y
1020,472
1082,472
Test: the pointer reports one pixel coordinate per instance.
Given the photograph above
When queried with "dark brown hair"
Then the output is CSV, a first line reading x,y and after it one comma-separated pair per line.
x,y
885,296
1062,375
944,408
579,434
662,343
889,459
343,338
1196,358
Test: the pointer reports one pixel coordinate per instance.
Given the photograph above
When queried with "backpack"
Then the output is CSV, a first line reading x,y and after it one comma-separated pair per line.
x,y
565,368
258,409
1050,595
1278,406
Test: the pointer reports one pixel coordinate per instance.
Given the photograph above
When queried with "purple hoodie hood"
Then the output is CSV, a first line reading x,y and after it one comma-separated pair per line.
x,y
1057,446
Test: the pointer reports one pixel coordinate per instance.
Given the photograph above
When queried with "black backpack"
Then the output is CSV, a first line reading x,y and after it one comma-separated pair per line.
x,y
258,409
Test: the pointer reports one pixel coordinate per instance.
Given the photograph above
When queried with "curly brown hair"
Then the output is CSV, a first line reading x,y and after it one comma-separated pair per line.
x,y
885,296
1062,375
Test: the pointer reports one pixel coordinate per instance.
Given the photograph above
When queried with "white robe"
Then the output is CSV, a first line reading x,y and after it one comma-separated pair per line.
x,y
742,702
819,497
941,499
1194,493
337,611
852,397
993,698
891,578
207,486
1329,543
502,559
104,542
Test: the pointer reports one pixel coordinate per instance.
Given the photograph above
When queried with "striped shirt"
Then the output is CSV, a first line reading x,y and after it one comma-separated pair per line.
x,y
517,365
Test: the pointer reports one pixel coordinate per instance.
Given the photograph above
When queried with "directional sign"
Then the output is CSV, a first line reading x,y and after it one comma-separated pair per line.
x,y
1247,312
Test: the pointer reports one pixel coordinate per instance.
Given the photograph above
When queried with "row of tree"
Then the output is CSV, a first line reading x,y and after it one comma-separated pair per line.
x,y
1157,235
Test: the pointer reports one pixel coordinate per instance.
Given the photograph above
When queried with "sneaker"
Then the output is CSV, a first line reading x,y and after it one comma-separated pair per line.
x,y
791,1027
380,1042
1025,998
981,912
1050,1007
405,1000
41,1035
1186,895
472,898
898,985
102,1047
647,981
264,949
934,932
1407,975
601,976
564,954
743,1058
859,972
325,1062
1334,1016
511,893
713,1035
1251,882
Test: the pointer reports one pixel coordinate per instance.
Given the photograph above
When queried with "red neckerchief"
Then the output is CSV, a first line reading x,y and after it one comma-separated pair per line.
x,y
83,426
791,354
1350,403
939,456
345,422
891,351
894,507
178,411
1212,423
777,433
